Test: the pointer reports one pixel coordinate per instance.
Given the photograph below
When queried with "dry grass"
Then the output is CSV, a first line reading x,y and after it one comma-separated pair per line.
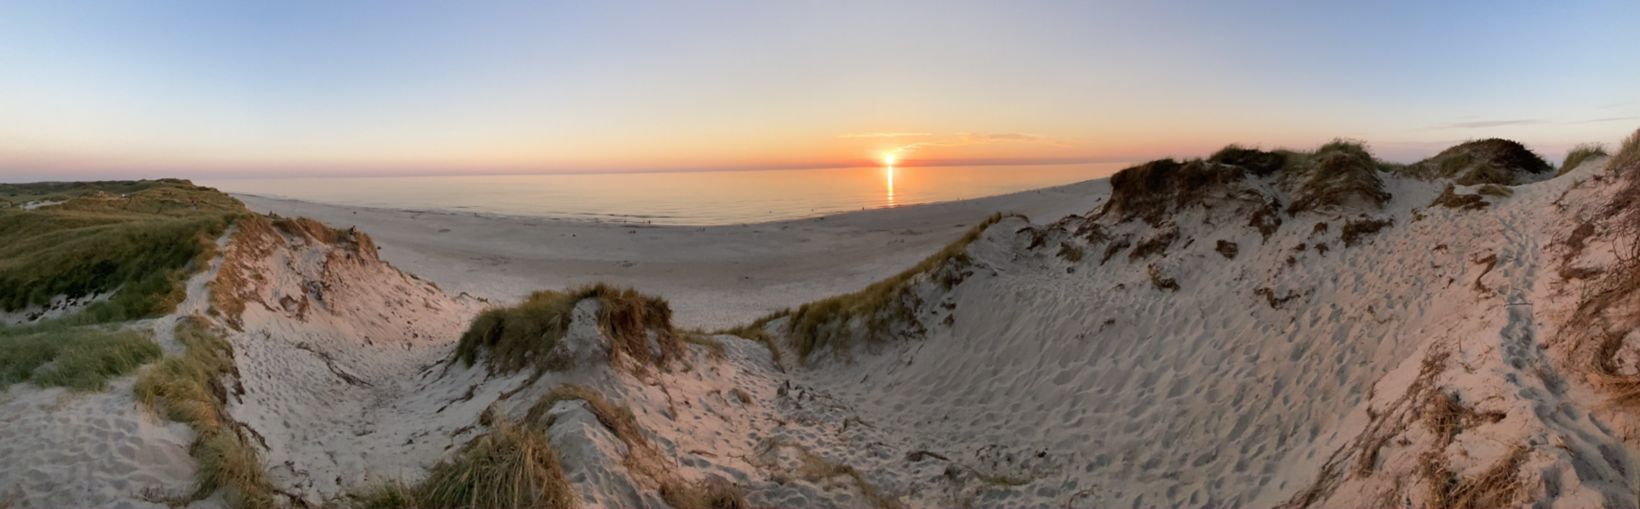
x,y
1339,172
79,358
1154,191
814,468
1450,198
758,331
826,323
1628,156
1070,252
511,466
191,389
1356,229
524,335
1498,486
713,493
1156,245
1579,154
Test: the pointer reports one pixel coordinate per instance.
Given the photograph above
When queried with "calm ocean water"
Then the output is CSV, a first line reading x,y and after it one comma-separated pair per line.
x,y
692,198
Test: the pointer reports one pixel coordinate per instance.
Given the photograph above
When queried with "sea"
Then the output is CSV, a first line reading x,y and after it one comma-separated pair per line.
x,y
674,198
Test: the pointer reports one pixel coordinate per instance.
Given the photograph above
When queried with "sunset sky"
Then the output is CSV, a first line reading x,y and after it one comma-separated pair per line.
x,y
117,88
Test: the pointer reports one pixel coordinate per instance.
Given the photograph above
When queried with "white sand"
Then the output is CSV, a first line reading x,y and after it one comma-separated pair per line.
x,y
715,276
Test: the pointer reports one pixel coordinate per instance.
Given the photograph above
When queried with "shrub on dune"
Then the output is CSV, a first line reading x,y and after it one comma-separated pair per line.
x,y
1334,175
524,335
1488,161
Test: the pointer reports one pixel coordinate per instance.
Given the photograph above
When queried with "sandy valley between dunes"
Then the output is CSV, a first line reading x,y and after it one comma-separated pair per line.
x,y
714,276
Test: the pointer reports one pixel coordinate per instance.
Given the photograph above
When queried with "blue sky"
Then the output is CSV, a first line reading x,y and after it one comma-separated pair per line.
x,y
230,88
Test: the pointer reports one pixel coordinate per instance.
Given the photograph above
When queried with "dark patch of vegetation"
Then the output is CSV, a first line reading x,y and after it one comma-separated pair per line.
x,y
827,322
1227,249
1450,198
1070,252
1579,154
1339,171
1255,161
1355,229
713,493
80,358
138,240
1271,298
1494,190
1155,245
1155,190
524,335
191,389
1160,281
1489,161
1266,219
1116,246
511,466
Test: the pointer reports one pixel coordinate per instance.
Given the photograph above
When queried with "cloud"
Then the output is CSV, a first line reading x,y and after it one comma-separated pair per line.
x,y
1606,119
1478,124
883,135
972,139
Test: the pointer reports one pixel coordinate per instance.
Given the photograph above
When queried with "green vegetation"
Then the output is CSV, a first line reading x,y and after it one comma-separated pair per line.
x,y
827,322
1488,161
511,466
1579,154
79,358
523,335
139,240
190,389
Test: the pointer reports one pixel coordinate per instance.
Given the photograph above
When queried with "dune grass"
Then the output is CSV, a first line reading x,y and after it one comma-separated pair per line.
x,y
1628,156
190,389
827,322
79,358
1579,154
1337,172
140,245
512,466
1475,162
643,457
524,335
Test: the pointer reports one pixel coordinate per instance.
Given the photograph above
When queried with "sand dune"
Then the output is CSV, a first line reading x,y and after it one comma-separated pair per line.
x,y
1203,343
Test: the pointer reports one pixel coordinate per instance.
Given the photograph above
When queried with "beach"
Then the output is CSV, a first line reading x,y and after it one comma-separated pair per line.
x,y
714,276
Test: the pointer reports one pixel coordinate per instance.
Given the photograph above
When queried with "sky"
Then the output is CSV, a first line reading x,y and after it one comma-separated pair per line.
x,y
93,89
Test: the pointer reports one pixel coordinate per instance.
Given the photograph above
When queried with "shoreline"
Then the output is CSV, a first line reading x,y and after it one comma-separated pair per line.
x,y
715,276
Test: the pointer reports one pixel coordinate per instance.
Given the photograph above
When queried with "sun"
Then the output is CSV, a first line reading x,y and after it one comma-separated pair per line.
x,y
888,159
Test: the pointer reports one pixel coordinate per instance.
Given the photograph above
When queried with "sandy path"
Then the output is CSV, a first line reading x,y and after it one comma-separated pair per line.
x,y
715,276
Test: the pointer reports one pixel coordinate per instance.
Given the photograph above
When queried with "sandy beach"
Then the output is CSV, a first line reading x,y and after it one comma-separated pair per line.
x,y
714,276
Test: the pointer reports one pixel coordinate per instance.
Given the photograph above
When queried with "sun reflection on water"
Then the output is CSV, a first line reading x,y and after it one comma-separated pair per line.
x,y
889,171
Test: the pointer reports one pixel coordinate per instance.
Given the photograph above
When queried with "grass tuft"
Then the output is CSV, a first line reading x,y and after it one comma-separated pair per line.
x,y
1628,157
79,358
1579,154
827,322
1335,174
190,389
524,335
511,466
